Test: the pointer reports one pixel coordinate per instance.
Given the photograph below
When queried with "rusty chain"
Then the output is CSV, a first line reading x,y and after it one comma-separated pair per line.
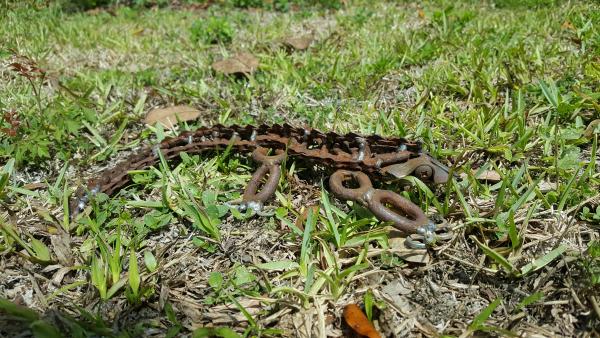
x,y
348,157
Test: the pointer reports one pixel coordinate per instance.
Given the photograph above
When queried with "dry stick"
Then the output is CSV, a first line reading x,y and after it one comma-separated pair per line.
x,y
549,211
38,291
276,316
320,318
595,305
568,211
477,267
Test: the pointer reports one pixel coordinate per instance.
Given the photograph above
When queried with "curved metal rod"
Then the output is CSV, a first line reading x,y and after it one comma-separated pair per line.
x,y
251,194
252,197
412,220
336,184
260,155
416,217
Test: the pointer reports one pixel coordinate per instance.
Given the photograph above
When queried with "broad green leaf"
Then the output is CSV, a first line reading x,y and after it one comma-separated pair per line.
x,y
207,332
544,260
66,288
17,310
215,280
66,224
40,250
5,174
98,274
515,240
525,196
352,269
529,300
550,93
332,225
114,259
243,276
368,298
134,275
484,315
425,189
150,261
116,287
311,221
43,329
494,255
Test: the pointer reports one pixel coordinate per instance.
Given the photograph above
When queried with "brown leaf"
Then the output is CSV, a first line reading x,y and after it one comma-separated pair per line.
x,y
34,186
169,116
60,274
489,176
61,245
301,42
567,25
546,186
399,248
589,131
239,64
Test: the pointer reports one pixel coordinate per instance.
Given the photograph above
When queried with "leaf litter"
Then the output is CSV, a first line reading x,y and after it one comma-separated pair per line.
x,y
240,64
170,116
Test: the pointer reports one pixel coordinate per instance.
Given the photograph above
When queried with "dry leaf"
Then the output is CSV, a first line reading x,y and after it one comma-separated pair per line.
x,y
400,249
60,274
568,25
397,293
229,314
301,42
489,176
61,245
358,321
239,64
169,116
34,186
589,131
546,186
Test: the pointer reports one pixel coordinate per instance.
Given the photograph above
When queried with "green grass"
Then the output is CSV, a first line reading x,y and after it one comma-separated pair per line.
x,y
498,85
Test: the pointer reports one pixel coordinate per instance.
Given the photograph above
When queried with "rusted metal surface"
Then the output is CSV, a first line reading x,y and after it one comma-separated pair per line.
x,y
269,164
374,156
412,217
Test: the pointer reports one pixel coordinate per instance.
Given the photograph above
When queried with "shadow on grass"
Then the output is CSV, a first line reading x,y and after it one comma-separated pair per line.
x,y
133,321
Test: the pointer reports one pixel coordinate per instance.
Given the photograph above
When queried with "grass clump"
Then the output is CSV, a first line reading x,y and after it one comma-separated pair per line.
x,y
212,30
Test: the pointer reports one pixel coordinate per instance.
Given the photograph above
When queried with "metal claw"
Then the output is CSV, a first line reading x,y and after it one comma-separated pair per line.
x,y
429,235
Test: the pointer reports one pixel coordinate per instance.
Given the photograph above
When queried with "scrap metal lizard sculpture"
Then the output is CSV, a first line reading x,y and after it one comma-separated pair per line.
x,y
349,157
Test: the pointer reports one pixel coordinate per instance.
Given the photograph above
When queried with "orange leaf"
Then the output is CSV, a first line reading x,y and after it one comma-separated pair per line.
x,y
359,322
568,25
